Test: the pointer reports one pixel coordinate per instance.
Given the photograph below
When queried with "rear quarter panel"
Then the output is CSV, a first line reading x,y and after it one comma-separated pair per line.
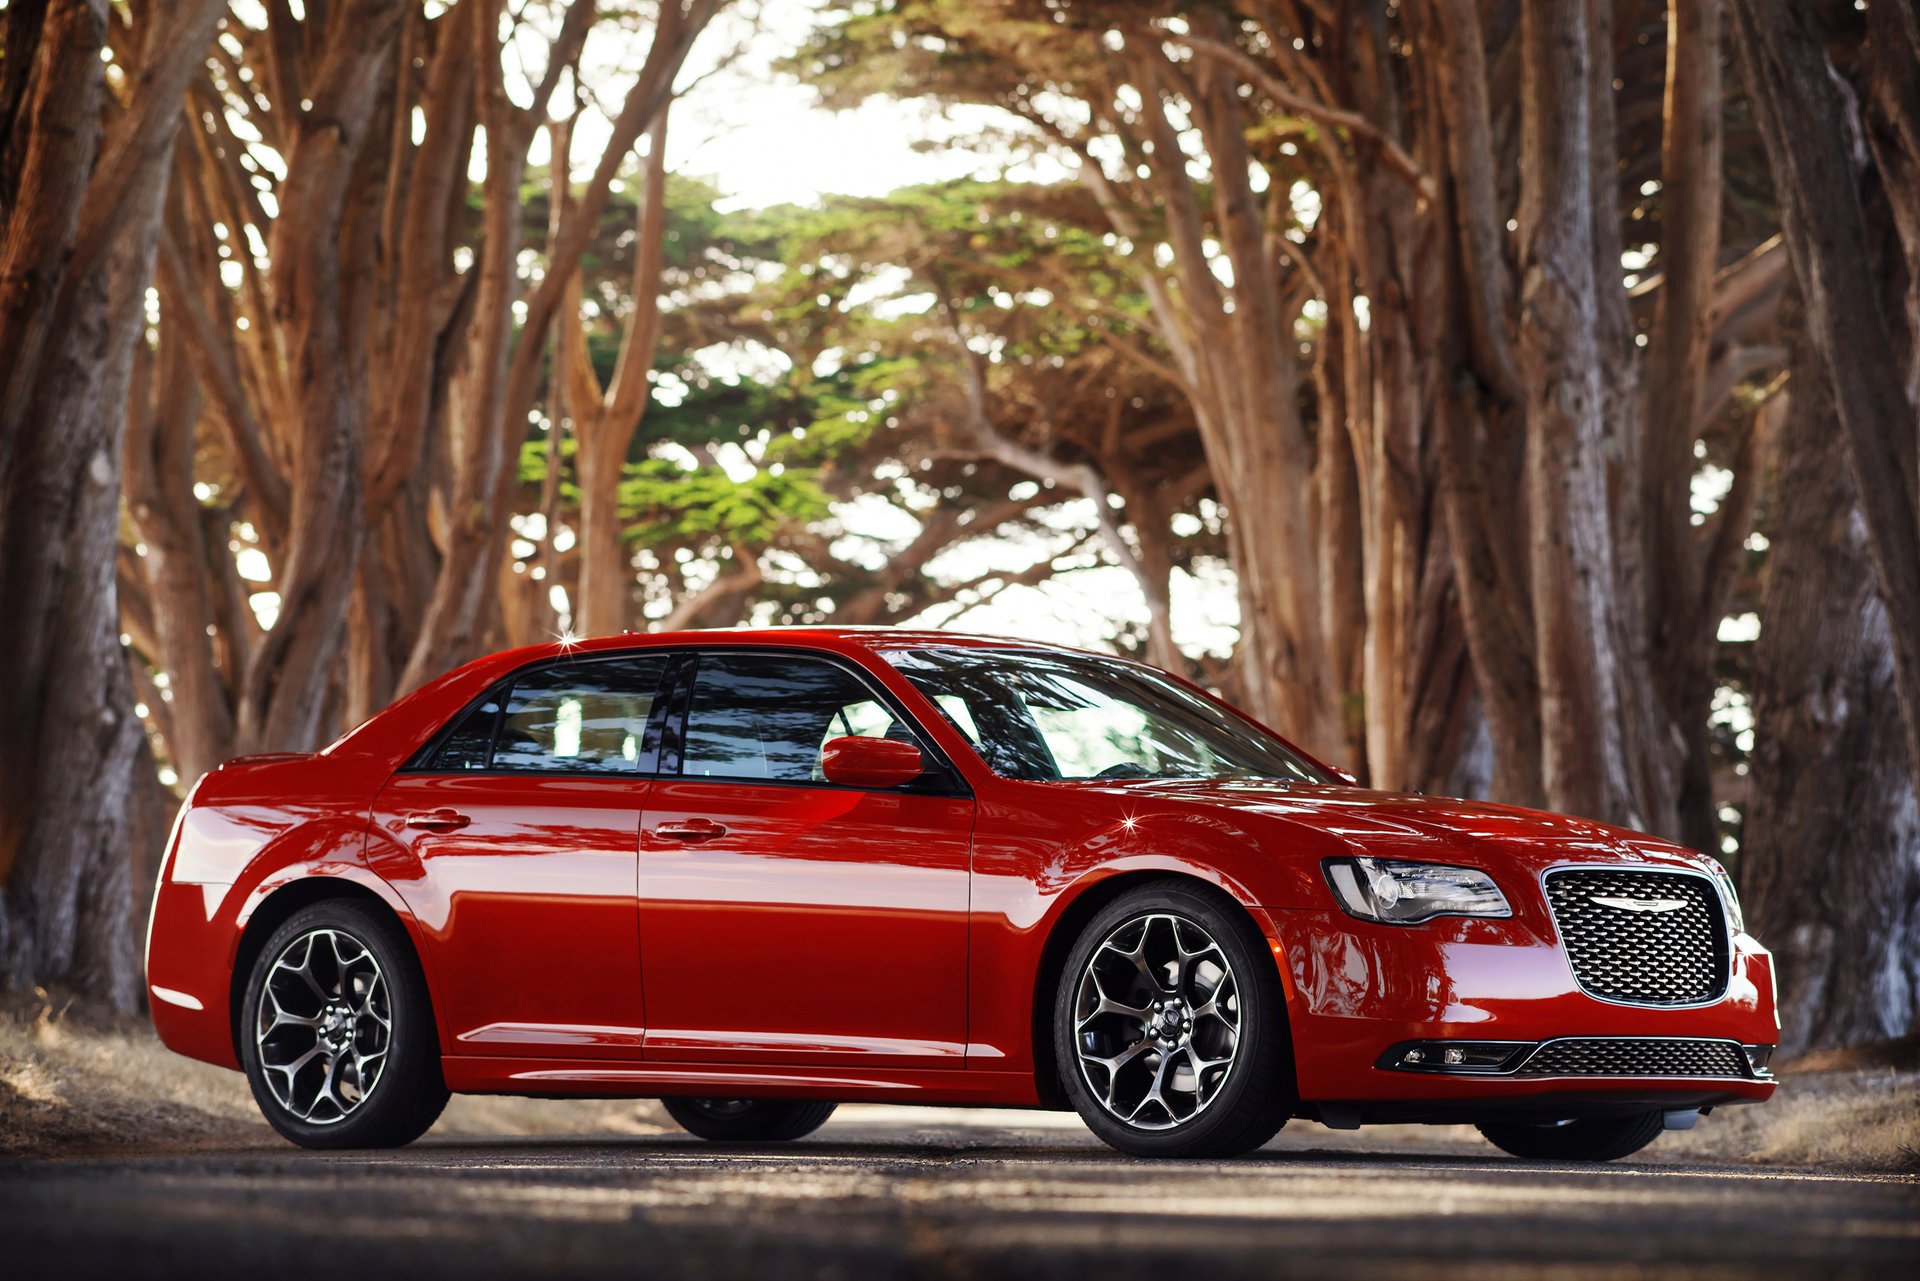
x,y
247,830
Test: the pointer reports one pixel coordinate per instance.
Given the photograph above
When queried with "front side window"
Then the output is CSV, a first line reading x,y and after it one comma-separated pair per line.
x,y
585,717
766,716
1043,716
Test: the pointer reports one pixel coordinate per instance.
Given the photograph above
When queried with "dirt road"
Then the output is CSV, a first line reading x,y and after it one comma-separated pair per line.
x,y
902,1194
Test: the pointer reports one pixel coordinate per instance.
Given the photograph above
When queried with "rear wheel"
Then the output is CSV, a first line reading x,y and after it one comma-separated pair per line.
x,y
749,1120
1170,1028
1583,1138
336,1031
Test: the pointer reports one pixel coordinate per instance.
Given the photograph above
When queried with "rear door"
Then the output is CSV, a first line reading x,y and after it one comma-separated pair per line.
x,y
785,919
525,819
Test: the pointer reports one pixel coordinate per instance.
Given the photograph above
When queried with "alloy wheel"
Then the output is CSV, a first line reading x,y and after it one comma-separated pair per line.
x,y
1156,1021
323,1026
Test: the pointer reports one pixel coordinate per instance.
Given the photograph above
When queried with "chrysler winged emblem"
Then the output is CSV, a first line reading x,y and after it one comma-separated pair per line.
x,y
1639,904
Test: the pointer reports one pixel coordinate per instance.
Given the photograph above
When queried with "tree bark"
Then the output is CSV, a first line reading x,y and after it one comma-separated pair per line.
x,y
1243,368
1478,422
1583,758
1681,634
161,501
1803,123
67,760
54,86
1830,869
282,701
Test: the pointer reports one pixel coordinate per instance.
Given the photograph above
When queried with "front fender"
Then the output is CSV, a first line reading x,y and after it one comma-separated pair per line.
x,y
1028,875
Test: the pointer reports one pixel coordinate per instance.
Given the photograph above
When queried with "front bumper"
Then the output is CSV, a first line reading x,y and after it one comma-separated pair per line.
x,y
1359,994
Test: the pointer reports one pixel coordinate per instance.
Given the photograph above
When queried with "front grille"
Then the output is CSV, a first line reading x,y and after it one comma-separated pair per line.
x,y
1627,1056
1675,956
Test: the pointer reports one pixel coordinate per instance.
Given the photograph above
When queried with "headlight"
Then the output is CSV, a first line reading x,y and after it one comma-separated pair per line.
x,y
1398,893
1727,893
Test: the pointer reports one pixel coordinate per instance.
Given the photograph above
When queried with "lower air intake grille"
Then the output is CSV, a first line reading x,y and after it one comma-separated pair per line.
x,y
1627,1056
1650,938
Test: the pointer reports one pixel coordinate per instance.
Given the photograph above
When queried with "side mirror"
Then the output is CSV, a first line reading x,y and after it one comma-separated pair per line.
x,y
1346,776
871,762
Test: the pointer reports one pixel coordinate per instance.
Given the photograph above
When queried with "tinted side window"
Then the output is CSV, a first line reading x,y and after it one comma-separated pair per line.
x,y
584,717
767,715
470,743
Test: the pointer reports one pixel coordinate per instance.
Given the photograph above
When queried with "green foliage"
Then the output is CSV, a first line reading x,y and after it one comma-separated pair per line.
x,y
669,504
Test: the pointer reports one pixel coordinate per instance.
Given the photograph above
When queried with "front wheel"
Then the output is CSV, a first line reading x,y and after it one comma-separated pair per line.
x,y
748,1120
1170,1028
1587,1138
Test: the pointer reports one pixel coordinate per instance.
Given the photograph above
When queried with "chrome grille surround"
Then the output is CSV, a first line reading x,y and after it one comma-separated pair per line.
x,y
1676,957
1636,1056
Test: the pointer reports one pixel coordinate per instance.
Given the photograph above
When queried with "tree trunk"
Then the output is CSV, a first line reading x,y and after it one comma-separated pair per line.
x,y
160,499
1246,375
1810,147
283,702
604,423
66,763
1477,423
53,132
1583,760
1682,640
1830,869
1336,483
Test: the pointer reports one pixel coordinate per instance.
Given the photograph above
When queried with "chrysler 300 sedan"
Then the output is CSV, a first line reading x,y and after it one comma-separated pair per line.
x,y
756,874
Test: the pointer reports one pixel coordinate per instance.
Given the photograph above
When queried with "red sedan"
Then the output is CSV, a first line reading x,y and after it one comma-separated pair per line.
x,y
755,874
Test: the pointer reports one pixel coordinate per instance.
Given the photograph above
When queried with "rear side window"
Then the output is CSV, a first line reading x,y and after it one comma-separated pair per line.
x,y
567,718
766,716
472,739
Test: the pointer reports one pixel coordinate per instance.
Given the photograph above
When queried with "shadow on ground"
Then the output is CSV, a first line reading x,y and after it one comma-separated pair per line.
x,y
981,1200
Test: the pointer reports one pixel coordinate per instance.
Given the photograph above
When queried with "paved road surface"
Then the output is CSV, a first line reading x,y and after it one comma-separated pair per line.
x,y
898,1193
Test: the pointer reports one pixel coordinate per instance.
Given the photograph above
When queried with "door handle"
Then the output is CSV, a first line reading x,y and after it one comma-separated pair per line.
x,y
693,829
438,820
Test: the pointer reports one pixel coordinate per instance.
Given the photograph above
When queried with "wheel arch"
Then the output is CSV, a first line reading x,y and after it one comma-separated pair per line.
x,y
280,905
1069,920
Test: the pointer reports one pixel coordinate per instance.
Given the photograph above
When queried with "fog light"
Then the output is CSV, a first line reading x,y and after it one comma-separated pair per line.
x,y
1758,1056
1469,1057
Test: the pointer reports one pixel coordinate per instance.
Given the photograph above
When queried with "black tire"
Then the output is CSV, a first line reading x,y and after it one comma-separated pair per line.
x,y
1250,1098
749,1120
408,1093
1585,1138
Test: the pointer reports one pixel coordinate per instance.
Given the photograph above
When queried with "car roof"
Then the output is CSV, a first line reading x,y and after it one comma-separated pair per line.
x,y
803,636
397,730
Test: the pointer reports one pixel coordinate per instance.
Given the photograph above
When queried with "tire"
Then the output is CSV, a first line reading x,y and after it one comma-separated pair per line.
x,y
370,1076
1192,960
1587,1138
749,1120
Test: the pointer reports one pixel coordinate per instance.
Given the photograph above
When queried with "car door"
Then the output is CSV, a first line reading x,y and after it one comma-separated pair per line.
x,y
524,819
785,919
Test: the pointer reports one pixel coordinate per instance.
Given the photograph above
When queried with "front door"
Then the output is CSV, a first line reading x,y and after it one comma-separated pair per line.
x,y
788,920
523,823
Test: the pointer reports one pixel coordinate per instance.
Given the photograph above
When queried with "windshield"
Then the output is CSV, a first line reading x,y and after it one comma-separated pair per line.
x,y
1042,716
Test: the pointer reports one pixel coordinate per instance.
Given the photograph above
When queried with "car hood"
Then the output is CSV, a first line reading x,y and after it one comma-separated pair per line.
x,y
1403,825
